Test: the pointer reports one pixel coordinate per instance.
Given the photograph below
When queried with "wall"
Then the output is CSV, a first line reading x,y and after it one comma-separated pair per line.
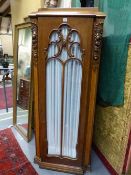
x,y
22,8
112,126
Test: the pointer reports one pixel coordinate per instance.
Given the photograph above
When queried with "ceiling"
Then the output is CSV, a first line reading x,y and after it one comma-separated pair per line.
x,y
5,8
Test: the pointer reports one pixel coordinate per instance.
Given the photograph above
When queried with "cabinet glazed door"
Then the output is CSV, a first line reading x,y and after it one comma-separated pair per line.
x,y
64,62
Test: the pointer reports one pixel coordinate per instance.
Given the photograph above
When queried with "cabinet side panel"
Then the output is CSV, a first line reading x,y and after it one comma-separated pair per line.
x,y
35,83
95,61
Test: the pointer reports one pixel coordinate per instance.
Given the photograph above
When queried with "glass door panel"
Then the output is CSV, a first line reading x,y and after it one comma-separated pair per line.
x,y
53,107
63,91
72,92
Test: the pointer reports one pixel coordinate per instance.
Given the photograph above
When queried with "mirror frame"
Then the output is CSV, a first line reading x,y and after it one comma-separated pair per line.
x,y
27,136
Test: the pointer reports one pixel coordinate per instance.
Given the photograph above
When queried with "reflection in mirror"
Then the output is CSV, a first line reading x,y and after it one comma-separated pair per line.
x,y
23,98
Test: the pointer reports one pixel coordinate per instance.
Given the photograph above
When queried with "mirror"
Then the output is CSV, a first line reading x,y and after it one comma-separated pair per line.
x,y
22,80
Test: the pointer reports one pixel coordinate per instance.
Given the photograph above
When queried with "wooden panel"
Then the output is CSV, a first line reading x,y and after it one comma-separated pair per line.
x,y
43,33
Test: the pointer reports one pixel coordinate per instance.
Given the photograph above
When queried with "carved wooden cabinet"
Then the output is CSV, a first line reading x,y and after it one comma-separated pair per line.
x,y
66,53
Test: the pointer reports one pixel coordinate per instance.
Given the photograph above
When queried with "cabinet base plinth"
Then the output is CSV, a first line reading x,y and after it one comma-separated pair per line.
x,y
58,167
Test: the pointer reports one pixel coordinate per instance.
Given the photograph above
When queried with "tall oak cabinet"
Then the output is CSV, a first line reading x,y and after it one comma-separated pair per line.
x,y
66,48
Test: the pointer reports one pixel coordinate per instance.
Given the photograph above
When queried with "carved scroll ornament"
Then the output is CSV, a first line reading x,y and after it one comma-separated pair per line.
x,y
34,43
98,31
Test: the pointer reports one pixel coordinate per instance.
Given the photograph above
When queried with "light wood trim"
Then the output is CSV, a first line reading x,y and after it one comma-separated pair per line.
x,y
15,75
22,132
58,167
27,136
68,12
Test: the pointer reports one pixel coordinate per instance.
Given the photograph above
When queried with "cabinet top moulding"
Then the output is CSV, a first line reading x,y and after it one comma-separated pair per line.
x,y
90,12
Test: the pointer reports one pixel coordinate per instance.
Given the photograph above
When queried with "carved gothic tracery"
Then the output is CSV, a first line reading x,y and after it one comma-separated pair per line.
x,y
65,41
